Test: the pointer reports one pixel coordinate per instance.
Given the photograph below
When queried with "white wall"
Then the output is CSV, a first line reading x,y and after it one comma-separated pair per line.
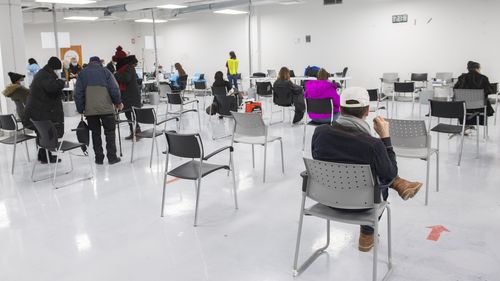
x,y
97,39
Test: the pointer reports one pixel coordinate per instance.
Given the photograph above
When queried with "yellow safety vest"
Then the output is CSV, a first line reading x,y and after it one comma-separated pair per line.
x,y
232,65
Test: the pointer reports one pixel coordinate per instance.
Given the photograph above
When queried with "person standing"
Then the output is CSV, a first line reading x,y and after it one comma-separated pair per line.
x,y
96,96
17,92
74,68
32,68
131,95
232,70
45,101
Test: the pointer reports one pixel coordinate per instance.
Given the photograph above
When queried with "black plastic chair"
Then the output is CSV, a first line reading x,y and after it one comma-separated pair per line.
x,y
9,123
403,88
282,97
148,116
191,146
292,73
47,139
259,74
183,79
319,106
177,99
377,98
450,110
225,104
420,78
201,90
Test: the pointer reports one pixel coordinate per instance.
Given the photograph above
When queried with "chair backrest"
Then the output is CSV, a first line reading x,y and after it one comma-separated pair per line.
x,y
174,98
226,104
258,74
390,77
219,91
238,76
344,72
444,76
404,87
345,186
183,82
474,98
283,96
164,89
264,89
319,106
494,87
184,145
47,134
292,73
202,76
144,115
200,85
408,133
249,124
425,96
272,73
443,92
373,93
419,77
8,122
447,109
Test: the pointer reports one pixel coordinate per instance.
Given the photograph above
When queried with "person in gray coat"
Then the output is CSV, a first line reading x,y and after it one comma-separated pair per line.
x,y
97,96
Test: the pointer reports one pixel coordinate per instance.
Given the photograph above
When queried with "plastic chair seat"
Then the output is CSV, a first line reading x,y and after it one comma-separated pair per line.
x,y
346,216
20,138
148,134
191,170
447,129
255,140
420,153
68,145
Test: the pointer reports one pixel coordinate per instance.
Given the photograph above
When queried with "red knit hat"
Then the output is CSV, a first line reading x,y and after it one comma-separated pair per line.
x,y
119,54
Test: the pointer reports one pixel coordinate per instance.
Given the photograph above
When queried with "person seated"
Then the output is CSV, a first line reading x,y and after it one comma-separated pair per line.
x,y
322,88
176,77
74,68
475,80
349,140
284,82
17,92
220,82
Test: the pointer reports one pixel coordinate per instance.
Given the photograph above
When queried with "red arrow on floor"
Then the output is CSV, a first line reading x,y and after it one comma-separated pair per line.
x,y
436,232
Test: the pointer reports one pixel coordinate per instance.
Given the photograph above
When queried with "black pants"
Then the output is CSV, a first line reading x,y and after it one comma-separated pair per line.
x,y
128,114
300,107
108,123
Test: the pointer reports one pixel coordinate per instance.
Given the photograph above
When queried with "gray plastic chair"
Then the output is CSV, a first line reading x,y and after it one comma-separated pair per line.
x,y
9,124
474,100
191,146
338,189
47,139
249,128
387,82
148,116
494,98
445,77
410,139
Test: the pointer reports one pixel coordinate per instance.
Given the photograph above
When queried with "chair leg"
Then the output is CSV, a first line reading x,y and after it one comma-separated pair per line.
x,y
133,146
304,137
164,187
34,167
253,156
55,172
428,164
197,202
389,236
477,137
152,150
437,171
27,151
282,159
231,166
375,250
199,120
14,158
461,149
265,158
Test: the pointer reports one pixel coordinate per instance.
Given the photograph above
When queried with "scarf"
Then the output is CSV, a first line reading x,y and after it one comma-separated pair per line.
x,y
122,70
354,123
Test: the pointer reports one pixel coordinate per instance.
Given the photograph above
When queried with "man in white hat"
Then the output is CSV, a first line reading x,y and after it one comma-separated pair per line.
x,y
349,140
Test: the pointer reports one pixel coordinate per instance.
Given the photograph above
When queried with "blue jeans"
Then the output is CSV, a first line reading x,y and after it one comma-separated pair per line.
x,y
233,80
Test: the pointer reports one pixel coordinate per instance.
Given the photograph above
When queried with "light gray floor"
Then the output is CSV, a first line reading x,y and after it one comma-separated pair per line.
x,y
110,228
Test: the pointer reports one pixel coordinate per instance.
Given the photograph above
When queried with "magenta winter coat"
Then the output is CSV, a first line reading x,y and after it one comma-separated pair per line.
x,y
322,89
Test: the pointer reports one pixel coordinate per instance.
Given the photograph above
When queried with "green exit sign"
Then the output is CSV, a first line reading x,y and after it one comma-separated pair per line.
x,y
399,18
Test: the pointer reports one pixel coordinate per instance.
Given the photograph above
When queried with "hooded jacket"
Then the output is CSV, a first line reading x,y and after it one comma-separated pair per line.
x,y
322,89
19,95
127,78
45,99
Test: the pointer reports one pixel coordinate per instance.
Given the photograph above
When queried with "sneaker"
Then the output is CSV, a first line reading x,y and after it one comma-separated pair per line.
x,y
99,161
406,189
114,160
366,242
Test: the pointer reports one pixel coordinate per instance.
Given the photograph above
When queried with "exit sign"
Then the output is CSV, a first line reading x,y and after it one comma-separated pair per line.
x,y
399,18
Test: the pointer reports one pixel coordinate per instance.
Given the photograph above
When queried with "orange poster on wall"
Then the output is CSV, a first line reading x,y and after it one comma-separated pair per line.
x,y
73,51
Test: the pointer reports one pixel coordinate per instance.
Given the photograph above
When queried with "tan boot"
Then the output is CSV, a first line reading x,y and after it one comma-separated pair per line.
x,y
406,189
365,242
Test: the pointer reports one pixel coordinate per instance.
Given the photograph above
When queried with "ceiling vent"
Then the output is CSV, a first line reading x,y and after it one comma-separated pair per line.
x,y
332,2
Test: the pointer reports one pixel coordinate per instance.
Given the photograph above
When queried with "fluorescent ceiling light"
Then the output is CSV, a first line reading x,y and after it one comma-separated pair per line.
x,y
80,18
172,6
291,2
72,2
230,12
150,21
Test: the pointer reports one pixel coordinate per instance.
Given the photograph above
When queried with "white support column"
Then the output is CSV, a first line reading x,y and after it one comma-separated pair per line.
x,y
13,54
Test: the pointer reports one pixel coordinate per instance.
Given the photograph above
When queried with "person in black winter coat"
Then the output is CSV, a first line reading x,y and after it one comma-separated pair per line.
x,y
45,100
284,85
475,80
130,92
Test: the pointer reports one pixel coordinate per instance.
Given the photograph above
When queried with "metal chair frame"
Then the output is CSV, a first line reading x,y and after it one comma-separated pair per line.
x,y
306,123
8,123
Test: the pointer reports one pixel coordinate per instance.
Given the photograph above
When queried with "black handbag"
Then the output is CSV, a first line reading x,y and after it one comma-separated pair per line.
x,y
83,135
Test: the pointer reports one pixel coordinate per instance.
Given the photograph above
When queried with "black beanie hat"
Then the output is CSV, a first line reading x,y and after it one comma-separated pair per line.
x,y
54,63
471,65
14,77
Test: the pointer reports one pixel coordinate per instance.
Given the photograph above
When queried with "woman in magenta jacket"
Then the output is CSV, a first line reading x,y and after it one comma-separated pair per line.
x,y
323,89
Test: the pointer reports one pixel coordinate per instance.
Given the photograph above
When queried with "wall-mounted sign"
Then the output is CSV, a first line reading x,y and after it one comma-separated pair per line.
x,y
400,18
75,51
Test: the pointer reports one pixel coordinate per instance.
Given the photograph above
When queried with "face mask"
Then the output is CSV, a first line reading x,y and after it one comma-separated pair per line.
x,y
57,72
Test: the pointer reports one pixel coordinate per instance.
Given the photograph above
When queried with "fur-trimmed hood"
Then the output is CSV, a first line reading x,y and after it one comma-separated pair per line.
x,y
10,89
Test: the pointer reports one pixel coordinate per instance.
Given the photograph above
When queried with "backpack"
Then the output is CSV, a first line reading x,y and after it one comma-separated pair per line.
x,y
311,71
